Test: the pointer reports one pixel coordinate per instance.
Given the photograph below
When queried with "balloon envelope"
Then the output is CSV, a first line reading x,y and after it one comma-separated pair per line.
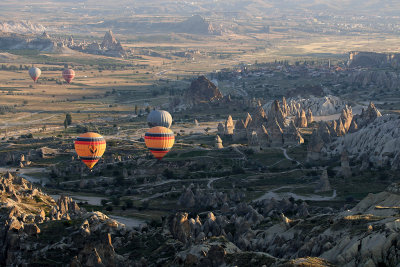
x,y
90,147
68,75
35,73
159,140
159,118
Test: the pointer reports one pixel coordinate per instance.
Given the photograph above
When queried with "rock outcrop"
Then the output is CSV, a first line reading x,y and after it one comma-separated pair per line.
x,y
218,142
301,119
380,140
229,126
372,59
202,91
319,106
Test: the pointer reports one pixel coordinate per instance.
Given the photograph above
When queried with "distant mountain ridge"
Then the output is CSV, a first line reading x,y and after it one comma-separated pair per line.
x,y
251,7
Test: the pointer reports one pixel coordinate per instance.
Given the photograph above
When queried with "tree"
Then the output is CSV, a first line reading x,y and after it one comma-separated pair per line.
x,y
68,118
129,203
116,201
148,109
136,109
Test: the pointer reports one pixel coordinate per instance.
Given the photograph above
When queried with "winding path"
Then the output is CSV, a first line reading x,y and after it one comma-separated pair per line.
x,y
287,157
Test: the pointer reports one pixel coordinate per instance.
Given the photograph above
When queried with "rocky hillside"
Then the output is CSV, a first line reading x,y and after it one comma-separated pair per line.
x,y
372,59
12,41
202,90
108,47
319,106
379,140
37,231
21,27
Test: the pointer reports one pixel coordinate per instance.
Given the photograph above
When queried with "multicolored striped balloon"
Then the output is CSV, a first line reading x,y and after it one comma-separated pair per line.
x,y
159,140
90,147
68,75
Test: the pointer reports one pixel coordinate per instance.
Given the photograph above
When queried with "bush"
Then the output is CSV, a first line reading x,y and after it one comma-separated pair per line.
x,y
237,170
109,208
116,201
129,203
168,174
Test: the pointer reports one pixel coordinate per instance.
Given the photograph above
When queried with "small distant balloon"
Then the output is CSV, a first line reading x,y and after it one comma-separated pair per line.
x,y
68,75
159,118
35,73
90,147
159,140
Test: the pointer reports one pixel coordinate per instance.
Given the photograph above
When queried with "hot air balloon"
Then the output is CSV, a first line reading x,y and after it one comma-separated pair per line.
x,y
159,140
68,75
35,73
90,147
159,118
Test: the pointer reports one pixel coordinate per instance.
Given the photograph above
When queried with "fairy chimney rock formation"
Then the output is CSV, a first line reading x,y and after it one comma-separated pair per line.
x,y
253,142
229,126
218,142
323,185
240,132
309,116
347,117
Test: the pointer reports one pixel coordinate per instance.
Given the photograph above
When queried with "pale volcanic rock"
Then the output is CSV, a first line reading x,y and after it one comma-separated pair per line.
x,y
319,138
292,136
353,127
301,119
254,144
218,142
240,132
367,116
248,120
340,130
263,137
347,117
380,140
310,117
276,113
253,122
276,133
285,107
229,126
319,106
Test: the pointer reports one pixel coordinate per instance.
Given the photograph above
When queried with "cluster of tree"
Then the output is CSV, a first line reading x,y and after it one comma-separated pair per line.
x,y
5,109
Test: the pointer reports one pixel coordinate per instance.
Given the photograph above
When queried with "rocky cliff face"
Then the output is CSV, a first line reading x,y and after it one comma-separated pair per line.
x,y
318,106
109,46
380,78
372,59
380,140
197,25
202,91
21,27
11,41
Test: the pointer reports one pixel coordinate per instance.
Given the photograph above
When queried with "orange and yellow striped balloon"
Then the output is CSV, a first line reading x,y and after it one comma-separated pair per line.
x,y
159,140
90,147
